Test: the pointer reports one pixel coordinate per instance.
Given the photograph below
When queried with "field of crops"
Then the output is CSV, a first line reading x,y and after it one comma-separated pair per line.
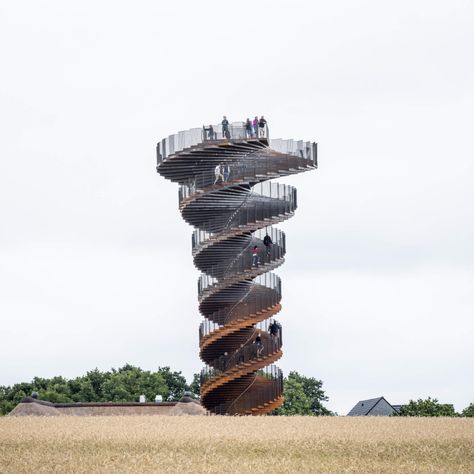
x,y
227,444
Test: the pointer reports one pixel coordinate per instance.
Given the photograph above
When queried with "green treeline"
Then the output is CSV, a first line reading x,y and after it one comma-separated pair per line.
x,y
117,385
431,407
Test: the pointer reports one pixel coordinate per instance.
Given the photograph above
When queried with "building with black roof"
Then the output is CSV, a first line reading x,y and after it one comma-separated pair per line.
x,y
374,407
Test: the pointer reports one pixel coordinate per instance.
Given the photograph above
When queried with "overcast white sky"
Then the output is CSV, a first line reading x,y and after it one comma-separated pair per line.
x,y
95,260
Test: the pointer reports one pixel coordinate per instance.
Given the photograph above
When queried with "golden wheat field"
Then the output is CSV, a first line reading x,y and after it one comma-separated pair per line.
x,y
227,444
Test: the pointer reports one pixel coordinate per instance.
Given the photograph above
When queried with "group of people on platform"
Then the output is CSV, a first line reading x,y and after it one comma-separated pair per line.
x,y
255,128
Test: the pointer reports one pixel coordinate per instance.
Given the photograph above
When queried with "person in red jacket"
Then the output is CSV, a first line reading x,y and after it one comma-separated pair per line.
x,y
255,126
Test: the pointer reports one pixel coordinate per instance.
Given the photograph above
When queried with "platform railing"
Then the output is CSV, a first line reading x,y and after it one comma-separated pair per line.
x,y
255,396
199,237
247,353
186,139
256,213
208,327
229,173
267,254
234,131
270,280
276,200
269,201
255,301
232,171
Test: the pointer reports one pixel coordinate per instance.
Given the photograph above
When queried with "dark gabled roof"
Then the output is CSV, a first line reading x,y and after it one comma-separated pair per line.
x,y
363,407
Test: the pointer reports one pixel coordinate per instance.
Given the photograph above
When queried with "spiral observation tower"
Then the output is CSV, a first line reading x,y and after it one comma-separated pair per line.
x,y
225,193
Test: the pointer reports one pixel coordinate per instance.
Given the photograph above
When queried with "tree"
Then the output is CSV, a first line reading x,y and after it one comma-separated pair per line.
x,y
428,407
125,384
195,386
468,411
92,384
303,396
56,391
129,382
175,382
296,401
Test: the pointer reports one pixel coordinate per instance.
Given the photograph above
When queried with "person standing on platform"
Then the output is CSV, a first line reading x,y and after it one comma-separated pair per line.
x,y
259,344
273,328
211,132
267,241
255,126
225,128
226,172
218,173
248,129
261,127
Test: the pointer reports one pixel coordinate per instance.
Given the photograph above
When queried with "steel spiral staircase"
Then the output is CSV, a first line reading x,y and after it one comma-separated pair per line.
x,y
232,212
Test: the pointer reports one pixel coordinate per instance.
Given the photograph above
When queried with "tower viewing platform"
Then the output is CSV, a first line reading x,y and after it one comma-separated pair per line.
x,y
226,194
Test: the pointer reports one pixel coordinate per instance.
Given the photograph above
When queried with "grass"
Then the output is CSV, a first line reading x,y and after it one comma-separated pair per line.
x,y
226,444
